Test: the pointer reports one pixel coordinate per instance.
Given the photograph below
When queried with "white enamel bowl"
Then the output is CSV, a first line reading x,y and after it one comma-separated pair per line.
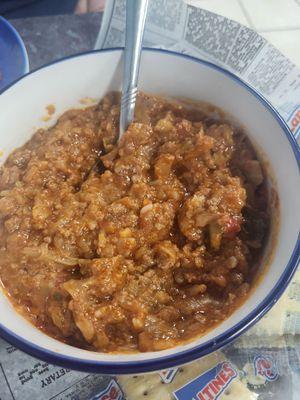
x,y
93,74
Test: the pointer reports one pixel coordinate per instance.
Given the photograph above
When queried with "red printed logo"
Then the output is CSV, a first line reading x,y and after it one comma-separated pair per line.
x,y
111,392
294,121
210,385
266,366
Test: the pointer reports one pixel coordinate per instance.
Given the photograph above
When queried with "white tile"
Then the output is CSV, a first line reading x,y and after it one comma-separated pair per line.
x,y
228,8
273,14
287,42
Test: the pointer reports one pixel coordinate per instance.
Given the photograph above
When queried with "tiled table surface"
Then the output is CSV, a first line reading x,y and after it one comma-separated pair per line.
x,y
277,20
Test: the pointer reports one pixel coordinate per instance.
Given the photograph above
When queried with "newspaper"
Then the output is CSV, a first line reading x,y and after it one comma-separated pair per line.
x,y
265,362
25,378
177,26
267,372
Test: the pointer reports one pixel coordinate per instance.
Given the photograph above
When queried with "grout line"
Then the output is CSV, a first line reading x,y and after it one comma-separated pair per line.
x,y
290,29
247,16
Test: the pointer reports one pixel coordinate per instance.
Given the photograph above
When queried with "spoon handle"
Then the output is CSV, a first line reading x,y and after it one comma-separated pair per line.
x,y
135,22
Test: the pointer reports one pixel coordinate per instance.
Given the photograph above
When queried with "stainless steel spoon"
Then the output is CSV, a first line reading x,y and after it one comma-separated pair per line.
x,y
136,11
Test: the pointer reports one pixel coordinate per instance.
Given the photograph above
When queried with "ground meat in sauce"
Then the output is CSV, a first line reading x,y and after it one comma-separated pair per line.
x,y
137,246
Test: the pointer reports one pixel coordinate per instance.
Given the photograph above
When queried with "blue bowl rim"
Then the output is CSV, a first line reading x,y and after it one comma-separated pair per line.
x,y
22,47
185,356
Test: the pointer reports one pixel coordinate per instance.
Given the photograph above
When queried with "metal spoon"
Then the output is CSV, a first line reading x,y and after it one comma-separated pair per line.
x,y
135,22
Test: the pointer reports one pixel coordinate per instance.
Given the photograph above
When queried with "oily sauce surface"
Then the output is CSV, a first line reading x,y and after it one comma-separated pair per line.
x,y
137,246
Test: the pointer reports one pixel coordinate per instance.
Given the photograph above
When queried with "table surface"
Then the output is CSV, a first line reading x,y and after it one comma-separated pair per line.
x,y
50,38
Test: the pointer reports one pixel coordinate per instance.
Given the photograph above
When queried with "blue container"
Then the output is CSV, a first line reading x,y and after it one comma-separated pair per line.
x,y
13,55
